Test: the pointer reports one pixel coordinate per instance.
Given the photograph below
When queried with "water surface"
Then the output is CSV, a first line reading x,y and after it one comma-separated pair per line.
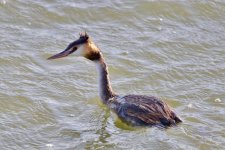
x,y
170,49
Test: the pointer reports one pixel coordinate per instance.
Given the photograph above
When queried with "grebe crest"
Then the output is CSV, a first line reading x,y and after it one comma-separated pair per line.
x,y
84,46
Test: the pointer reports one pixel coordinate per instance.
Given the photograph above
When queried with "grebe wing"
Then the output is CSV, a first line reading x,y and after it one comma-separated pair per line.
x,y
148,110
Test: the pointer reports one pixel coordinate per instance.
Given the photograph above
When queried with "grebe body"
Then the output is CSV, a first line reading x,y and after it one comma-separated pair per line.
x,y
136,110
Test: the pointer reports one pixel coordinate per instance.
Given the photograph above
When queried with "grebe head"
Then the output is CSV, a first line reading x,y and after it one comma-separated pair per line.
x,y
84,46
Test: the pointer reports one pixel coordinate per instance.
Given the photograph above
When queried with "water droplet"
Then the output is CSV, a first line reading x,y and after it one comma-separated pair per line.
x,y
3,2
190,105
71,115
159,28
125,53
49,145
218,100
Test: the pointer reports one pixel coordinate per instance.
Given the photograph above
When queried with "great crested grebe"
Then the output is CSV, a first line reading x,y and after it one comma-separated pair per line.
x,y
136,110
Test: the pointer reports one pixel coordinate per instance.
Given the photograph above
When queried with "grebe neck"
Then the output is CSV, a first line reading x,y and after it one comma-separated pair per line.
x,y
105,89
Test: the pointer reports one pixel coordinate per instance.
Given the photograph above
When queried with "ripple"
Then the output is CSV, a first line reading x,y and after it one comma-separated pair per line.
x,y
170,49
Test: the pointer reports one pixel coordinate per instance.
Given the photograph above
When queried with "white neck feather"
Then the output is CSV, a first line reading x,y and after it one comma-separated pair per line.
x,y
105,90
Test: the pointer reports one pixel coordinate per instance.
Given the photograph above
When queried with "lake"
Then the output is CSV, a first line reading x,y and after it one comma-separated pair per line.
x,y
170,49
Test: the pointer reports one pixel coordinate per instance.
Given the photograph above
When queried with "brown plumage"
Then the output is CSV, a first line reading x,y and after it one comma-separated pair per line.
x,y
144,110
137,110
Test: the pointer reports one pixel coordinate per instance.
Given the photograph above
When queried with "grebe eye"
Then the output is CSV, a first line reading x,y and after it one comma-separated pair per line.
x,y
75,48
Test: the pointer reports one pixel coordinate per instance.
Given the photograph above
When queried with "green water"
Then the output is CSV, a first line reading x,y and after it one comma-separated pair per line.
x,y
170,49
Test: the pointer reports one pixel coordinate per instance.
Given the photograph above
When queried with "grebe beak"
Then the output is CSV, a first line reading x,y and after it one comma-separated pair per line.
x,y
64,53
72,47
